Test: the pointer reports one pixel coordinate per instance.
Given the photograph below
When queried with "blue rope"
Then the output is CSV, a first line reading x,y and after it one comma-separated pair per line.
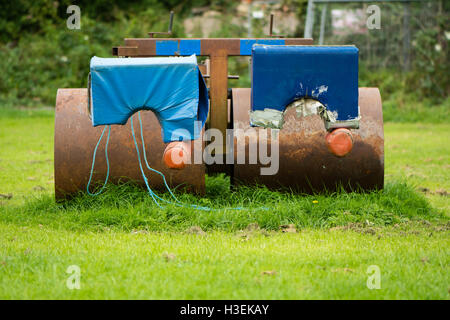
x,y
178,202
154,196
93,162
150,191
146,162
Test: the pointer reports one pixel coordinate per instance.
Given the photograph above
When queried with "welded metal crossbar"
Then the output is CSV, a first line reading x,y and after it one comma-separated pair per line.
x,y
148,47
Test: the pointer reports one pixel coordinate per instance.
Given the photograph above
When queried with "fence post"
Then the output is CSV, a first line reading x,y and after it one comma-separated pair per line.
x,y
309,19
322,23
406,36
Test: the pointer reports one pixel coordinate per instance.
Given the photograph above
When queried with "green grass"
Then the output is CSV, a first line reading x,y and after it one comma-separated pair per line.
x,y
403,100
126,247
420,153
313,264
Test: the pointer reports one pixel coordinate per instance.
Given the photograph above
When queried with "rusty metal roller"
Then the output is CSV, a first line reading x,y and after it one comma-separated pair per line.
x,y
75,139
305,162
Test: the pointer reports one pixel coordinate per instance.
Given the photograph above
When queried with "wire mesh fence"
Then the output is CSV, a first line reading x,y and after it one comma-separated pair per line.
x,y
385,32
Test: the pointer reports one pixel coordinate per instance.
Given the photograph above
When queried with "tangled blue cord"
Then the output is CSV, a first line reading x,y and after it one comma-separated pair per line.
x,y
149,189
93,162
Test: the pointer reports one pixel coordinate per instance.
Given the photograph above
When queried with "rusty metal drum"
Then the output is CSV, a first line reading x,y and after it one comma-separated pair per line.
x,y
76,138
305,163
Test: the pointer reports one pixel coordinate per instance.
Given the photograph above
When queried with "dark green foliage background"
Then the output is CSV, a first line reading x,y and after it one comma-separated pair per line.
x,y
39,54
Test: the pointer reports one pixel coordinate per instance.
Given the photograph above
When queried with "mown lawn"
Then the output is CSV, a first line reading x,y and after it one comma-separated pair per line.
x,y
126,247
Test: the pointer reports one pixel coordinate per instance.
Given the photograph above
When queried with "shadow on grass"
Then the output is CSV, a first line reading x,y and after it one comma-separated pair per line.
x,y
128,207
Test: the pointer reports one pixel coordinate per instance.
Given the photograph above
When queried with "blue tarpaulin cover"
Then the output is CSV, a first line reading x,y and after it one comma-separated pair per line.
x,y
173,88
282,74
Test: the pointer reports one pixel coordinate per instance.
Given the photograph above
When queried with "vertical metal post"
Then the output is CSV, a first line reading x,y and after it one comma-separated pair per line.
x,y
322,23
271,25
406,36
169,31
249,19
219,93
309,24
249,34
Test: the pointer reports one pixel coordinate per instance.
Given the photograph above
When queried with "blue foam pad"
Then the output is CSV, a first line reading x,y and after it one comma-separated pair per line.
x,y
282,74
173,88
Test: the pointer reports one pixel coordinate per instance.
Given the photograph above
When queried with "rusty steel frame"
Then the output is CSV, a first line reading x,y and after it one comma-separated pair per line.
x,y
218,50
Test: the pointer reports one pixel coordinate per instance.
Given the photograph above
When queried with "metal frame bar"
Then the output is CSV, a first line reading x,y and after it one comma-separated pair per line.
x,y
148,47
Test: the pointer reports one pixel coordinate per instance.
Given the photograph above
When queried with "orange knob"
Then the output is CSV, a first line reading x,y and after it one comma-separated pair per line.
x,y
339,141
177,154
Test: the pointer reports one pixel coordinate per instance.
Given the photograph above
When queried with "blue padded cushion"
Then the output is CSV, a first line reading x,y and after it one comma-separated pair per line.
x,y
282,74
173,88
